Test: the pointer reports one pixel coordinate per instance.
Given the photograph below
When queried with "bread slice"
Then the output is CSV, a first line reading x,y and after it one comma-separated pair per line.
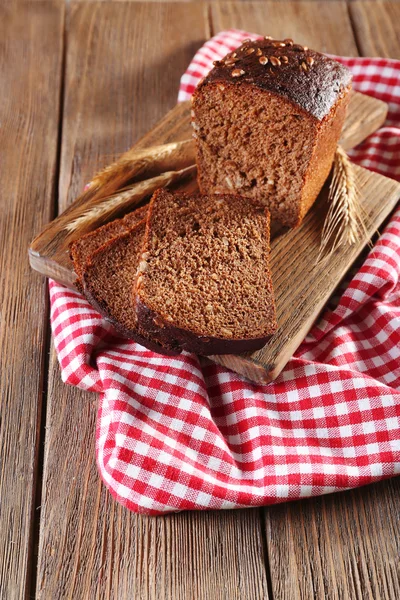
x,y
82,248
108,279
204,282
267,120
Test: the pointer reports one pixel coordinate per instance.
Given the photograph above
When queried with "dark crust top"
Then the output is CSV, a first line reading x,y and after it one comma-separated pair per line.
x,y
305,77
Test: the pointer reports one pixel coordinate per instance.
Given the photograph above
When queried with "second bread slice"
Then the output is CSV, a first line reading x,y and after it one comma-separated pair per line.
x,y
203,282
108,278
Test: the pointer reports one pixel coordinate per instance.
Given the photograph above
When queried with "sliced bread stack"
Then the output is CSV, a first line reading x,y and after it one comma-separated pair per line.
x,y
189,273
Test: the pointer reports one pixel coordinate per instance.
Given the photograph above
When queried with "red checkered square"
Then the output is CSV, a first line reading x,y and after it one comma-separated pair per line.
x,y
180,433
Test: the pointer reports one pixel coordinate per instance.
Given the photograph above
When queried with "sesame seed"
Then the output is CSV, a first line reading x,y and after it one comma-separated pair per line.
x,y
305,48
304,66
237,72
275,61
284,59
230,62
263,60
250,51
310,60
258,52
268,37
246,41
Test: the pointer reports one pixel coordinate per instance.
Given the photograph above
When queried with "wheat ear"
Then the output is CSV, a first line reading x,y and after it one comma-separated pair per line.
x,y
125,198
345,222
137,165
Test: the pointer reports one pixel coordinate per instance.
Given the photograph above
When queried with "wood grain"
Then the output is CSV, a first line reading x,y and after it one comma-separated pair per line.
x,y
340,546
30,72
377,27
323,26
89,546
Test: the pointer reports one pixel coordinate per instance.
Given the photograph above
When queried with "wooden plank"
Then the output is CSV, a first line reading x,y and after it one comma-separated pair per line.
x,y
345,545
48,253
30,72
321,25
89,546
377,27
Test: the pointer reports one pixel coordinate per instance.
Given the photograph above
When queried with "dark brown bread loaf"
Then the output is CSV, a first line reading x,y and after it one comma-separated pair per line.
x,y
203,281
108,279
267,120
82,248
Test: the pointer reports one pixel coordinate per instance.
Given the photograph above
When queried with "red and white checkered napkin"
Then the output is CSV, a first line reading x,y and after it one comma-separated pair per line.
x,y
177,433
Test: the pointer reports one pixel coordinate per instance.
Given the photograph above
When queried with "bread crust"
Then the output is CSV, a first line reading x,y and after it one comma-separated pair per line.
x,y
154,324
310,80
101,306
127,333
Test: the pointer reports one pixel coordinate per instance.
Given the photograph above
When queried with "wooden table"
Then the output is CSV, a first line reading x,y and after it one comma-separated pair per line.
x,y
80,82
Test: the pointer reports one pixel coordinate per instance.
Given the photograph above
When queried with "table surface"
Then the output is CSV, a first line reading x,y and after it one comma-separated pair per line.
x,y
80,82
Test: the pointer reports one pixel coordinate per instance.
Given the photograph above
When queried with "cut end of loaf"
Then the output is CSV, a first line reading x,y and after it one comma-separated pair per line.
x,y
255,144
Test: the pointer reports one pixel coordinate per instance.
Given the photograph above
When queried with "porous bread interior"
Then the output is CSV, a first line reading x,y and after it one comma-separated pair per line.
x,y
111,272
85,246
205,266
254,143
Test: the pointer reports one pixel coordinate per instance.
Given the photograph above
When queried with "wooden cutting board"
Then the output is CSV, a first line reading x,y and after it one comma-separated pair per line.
x,y
301,287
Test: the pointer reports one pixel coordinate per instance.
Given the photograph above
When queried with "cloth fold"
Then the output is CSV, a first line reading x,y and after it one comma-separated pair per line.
x,y
183,433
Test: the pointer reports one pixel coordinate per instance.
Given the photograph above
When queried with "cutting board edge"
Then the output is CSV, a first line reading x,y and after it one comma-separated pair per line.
x,y
257,371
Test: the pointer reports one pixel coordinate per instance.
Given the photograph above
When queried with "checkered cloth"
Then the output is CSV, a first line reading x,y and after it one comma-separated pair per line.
x,y
183,433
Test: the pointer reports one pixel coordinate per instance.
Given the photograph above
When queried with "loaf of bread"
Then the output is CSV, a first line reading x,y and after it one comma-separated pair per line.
x,y
204,283
267,120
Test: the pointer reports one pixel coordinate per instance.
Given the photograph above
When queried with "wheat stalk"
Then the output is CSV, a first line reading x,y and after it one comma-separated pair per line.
x,y
345,221
142,164
125,198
